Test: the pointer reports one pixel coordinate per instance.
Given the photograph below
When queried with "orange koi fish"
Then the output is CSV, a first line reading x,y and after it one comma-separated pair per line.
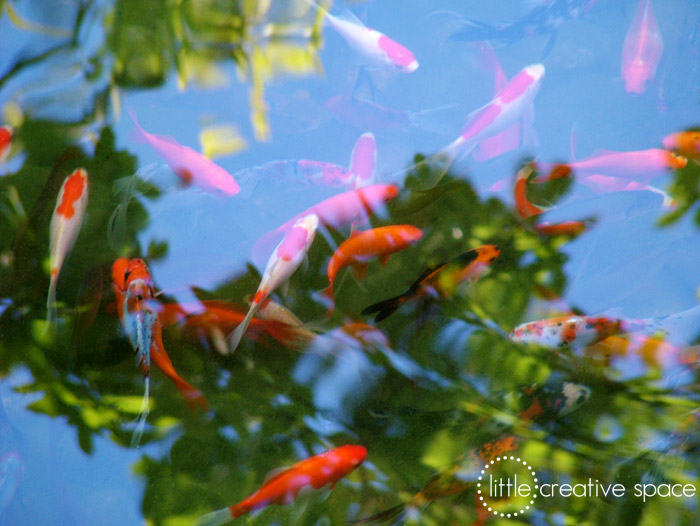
x,y
440,281
5,139
283,488
360,247
569,229
65,225
283,262
140,315
190,166
642,49
686,143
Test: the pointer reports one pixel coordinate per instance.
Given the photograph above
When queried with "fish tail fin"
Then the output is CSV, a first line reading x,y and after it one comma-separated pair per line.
x,y
288,335
238,333
392,514
143,414
328,293
193,397
430,120
138,135
386,308
214,518
475,31
51,314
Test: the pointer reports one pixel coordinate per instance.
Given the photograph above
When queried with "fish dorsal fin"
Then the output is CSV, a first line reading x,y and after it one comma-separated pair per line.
x,y
384,259
348,16
355,233
274,473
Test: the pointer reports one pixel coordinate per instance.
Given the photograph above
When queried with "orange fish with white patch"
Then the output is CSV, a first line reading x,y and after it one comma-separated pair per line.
x,y
312,474
65,225
283,262
360,247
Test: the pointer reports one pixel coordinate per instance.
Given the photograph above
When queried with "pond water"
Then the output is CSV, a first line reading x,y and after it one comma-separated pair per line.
x,y
300,107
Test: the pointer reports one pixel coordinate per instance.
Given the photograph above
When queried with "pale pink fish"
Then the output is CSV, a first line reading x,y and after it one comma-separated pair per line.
x,y
283,262
509,138
502,112
362,160
336,212
642,49
190,166
375,48
65,226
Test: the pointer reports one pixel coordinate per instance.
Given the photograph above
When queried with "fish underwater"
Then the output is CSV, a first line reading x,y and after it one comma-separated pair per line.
x,y
642,49
5,141
284,487
283,262
360,247
65,226
685,143
441,280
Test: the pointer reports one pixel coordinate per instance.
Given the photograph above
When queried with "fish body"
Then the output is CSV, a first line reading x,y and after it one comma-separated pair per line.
x,y
283,262
189,165
685,143
642,49
5,141
654,351
544,403
312,474
360,247
502,112
442,280
377,49
362,160
65,226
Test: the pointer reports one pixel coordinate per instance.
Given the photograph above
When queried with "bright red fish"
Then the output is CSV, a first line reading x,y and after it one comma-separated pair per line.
x,y
440,281
314,473
65,226
642,49
5,139
360,247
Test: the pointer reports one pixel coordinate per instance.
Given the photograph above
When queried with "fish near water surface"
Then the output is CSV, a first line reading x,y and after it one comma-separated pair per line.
x,y
441,280
685,143
65,226
642,49
5,140
360,247
362,160
284,487
283,262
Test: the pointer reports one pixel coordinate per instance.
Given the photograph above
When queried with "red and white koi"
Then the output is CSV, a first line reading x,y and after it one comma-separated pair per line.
x,y
65,226
642,49
284,487
502,112
190,166
362,160
5,140
377,49
283,262
360,247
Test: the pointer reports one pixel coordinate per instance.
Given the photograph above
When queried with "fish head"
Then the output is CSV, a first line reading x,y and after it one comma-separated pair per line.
x,y
637,74
119,271
411,234
488,253
575,395
536,73
350,456
675,162
398,56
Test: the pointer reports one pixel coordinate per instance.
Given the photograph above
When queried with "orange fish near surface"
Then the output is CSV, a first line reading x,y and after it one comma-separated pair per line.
x,y
685,143
65,225
360,247
442,280
314,473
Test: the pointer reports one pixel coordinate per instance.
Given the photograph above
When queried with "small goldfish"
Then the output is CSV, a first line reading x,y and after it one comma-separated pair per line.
x,y
362,160
569,229
686,143
283,262
377,49
190,166
441,280
5,139
283,487
642,49
501,113
65,226
360,247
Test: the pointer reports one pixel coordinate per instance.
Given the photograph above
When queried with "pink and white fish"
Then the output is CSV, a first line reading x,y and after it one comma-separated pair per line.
x,y
65,225
375,48
190,166
641,51
502,112
363,160
283,262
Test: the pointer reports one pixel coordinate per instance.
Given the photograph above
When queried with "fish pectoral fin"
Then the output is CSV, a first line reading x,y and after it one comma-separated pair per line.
x,y
284,288
384,259
274,473
359,271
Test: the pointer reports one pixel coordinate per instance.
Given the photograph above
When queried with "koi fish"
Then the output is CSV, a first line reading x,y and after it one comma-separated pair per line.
x,y
375,48
283,262
139,314
642,49
363,160
5,139
283,487
337,211
655,351
441,280
190,166
65,226
502,112
360,247
686,143
543,403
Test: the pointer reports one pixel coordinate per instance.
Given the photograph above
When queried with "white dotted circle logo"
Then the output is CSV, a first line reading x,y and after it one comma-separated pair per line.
x,y
493,492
